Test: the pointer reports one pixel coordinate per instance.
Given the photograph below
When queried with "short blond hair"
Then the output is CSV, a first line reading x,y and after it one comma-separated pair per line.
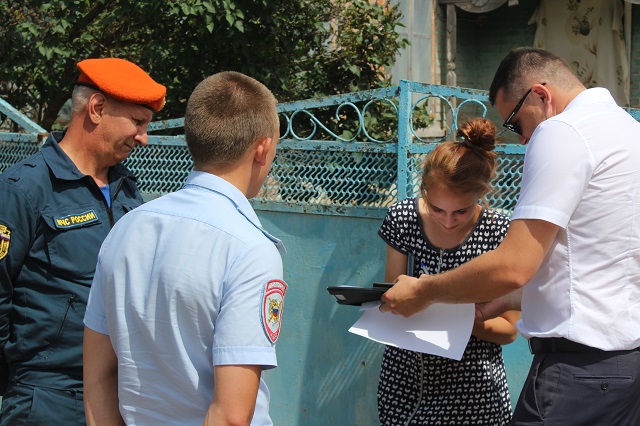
x,y
226,113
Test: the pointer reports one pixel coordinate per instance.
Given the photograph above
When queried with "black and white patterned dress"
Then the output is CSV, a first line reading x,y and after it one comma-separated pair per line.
x,y
423,389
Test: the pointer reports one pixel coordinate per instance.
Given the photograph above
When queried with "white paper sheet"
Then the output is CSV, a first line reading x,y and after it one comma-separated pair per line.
x,y
441,329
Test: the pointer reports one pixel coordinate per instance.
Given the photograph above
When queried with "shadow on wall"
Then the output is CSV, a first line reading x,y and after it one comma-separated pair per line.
x,y
325,374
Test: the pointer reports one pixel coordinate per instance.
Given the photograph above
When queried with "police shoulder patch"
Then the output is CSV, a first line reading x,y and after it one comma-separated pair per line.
x,y
272,305
5,239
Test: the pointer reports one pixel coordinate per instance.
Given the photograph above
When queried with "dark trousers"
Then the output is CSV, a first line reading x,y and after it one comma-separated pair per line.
x,y
38,406
575,389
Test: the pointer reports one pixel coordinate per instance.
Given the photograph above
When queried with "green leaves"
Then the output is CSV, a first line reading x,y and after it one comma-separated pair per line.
x,y
298,48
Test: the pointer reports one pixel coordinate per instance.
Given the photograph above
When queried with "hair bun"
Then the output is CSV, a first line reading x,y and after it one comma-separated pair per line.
x,y
479,134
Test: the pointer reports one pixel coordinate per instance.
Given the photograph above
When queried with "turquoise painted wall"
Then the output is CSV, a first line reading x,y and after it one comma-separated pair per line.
x,y
326,375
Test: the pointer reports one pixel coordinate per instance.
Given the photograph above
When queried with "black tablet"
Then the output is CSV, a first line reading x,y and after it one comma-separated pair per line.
x,y
383,285
358,295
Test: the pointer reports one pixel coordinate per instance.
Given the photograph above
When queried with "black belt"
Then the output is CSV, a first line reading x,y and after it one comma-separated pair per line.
x,y
538,345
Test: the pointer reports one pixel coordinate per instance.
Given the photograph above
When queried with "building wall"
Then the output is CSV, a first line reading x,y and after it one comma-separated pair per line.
x,y
483,39
415,61
635,57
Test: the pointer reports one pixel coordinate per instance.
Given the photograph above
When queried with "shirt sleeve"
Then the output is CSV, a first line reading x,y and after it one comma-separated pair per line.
x,y
241,333
95,316
557,170
392,230
17,227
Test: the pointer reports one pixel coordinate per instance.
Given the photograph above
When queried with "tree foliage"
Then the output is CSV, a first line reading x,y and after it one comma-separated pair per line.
x,y
298,48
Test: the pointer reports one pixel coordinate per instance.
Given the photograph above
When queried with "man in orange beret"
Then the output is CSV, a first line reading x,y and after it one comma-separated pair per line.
x,y
56,208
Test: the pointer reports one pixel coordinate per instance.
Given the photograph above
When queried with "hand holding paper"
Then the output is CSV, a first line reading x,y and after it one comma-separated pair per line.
x,y
406,297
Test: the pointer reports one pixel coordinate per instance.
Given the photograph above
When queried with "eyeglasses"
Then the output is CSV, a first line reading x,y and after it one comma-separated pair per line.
x,y
511,126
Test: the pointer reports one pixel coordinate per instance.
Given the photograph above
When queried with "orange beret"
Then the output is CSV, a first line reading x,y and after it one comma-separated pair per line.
x,y
123,80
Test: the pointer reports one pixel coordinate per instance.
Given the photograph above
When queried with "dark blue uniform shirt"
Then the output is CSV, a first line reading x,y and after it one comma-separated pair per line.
x,y
53,220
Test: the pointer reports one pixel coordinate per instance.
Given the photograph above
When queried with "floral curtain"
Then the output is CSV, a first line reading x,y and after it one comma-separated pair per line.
x,y
589,35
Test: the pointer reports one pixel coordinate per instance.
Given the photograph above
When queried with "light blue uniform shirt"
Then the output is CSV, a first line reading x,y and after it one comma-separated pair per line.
x,y
180,287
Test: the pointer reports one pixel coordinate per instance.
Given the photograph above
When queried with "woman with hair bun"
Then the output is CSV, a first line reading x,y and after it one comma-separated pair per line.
x,y
443,228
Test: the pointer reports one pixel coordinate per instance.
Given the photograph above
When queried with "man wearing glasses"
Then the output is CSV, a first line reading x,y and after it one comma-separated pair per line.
x,y
572,253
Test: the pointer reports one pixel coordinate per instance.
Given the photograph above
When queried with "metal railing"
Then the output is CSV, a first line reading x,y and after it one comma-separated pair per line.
x,y
353,154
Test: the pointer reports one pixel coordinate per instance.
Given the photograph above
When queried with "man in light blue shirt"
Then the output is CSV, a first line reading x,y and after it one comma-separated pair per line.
x,y
186,304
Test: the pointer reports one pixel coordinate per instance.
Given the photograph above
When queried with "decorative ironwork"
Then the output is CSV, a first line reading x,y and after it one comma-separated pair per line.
x,y
353,154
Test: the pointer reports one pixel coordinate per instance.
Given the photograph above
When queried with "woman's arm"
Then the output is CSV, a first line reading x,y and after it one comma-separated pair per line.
x,y
509,302
501,330
396,264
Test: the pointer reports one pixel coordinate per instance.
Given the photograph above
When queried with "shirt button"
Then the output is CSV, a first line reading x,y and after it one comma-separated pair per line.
x,y
604,385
